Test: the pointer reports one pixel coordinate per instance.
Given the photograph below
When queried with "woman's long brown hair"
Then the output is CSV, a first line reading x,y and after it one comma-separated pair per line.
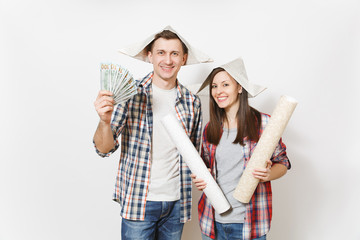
x,y
248,118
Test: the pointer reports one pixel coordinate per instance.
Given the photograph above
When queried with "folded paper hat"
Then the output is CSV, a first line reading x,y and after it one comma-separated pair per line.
x,y
236,69
138,50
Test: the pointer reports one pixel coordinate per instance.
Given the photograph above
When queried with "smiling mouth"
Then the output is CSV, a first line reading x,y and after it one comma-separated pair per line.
x,y
167,68
221,99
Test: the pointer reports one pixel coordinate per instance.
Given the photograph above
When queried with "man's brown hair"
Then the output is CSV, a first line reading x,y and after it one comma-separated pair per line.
x,y
166,34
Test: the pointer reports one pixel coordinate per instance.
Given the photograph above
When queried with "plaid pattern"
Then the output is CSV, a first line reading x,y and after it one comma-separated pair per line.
x,y
133,121
259,209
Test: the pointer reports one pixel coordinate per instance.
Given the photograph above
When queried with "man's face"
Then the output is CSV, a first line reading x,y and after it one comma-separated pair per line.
x,y
167,57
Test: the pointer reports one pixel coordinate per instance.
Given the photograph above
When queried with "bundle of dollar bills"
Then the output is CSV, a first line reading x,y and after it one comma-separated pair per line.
x,y
118,80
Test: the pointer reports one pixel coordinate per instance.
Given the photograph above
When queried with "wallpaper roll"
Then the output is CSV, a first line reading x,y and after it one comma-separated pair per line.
x,y
265,148
195,163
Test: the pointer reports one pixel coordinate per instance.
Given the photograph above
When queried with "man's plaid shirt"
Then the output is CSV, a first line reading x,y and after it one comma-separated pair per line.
x,y
259,210
133,120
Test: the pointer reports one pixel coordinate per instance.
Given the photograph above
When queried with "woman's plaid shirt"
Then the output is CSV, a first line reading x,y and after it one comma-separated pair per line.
x,y
133,120
259,210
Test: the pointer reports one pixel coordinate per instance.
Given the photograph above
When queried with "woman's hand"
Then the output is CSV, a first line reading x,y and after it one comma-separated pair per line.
x,y
199,183
263,174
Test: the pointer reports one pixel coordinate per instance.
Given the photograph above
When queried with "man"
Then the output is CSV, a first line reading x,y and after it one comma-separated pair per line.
x,y
153,185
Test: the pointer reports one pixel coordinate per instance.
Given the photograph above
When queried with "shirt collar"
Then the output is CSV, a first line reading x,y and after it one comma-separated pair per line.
x,y
147,80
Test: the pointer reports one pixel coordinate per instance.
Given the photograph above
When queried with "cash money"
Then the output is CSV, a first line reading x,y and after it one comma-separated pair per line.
x,y
118,80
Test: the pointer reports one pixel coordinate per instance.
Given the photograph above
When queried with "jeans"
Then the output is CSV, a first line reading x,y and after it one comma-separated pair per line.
x,y
229,231
162,222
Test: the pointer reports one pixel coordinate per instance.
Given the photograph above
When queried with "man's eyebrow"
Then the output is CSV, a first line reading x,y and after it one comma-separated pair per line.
x,y
169,51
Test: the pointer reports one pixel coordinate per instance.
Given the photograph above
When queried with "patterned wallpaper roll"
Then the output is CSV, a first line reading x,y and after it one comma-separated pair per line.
x,y
265,148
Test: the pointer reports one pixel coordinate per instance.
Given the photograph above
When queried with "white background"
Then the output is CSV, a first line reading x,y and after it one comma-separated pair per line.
x,y
54,186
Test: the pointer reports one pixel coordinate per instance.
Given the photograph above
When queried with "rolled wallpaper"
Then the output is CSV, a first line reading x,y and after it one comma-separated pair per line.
x,y
265,147
195,163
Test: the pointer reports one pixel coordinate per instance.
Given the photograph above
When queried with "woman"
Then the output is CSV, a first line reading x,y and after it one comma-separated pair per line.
x,y
228,142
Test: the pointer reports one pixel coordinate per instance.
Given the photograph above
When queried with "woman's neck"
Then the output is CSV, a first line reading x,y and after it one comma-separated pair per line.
x,y
231,120
231,114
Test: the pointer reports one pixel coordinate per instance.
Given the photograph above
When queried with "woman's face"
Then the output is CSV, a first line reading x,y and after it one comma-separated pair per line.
x,y
225,91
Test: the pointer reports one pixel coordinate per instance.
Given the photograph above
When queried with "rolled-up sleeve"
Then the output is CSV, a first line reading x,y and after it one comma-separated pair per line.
x,y
117,125
280,156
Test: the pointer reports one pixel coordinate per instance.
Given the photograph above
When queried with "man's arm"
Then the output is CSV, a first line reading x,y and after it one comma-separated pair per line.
x,y
103,137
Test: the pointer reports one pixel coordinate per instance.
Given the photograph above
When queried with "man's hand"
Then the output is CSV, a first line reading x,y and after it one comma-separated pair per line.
x,y
104,106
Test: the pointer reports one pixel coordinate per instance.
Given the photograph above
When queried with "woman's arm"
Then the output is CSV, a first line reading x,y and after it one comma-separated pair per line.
x,y
271,172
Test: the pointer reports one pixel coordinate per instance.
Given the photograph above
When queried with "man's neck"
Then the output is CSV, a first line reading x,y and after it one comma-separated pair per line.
x,y
164,84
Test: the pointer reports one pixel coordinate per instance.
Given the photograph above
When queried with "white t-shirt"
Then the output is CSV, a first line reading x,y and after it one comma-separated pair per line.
x,y
164,176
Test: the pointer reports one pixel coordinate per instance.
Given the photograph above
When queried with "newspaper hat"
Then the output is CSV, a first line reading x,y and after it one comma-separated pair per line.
x,y
236,69
138,50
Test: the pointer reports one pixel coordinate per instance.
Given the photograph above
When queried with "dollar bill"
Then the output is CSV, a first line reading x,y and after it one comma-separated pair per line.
x,y
118,80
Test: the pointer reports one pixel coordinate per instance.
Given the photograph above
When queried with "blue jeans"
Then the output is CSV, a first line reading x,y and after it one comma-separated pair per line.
x,y
229,231
162,222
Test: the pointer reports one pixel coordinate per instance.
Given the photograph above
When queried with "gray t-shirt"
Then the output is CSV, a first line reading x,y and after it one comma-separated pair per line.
x,y
230,166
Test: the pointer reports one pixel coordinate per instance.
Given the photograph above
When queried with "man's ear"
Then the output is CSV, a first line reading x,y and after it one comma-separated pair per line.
x,y
149,55
185,58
